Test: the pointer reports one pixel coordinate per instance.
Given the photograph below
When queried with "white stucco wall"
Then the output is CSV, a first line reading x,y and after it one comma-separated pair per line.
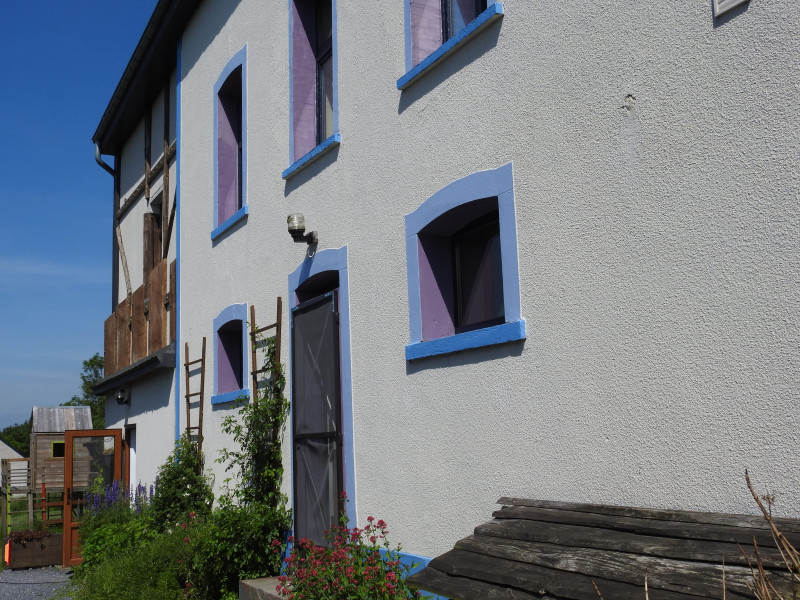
x,y
655,180
151,411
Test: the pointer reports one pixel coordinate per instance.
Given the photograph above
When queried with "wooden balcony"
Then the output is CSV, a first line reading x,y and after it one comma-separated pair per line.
x,y
142,324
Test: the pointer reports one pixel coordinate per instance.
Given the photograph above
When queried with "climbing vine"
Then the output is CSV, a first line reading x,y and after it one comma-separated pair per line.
x,y
257,429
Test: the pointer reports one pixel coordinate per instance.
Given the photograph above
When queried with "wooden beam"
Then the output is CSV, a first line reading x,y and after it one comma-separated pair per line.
x,y
170,225
124,262
148,125
165,166
128,202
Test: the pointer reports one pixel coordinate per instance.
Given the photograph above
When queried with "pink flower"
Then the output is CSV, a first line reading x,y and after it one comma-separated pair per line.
x,y
370,519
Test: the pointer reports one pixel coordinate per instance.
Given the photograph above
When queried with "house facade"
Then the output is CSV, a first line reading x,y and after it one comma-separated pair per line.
x,y
554,249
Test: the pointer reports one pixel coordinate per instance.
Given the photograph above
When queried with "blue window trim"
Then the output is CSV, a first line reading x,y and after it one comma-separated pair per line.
x,y
336,138
234,312
415,563
237,60
309,158
335,260
176,304
483,184
230,222
481,22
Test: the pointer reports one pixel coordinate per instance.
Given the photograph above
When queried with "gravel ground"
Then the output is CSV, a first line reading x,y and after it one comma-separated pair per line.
x,y
32,584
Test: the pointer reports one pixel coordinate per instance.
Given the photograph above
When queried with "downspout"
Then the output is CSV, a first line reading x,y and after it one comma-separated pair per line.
x,y
100,160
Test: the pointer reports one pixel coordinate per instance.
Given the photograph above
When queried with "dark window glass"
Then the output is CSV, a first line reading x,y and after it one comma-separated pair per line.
x,y
478,274
58,449
324,56
457,14
230,361
229,146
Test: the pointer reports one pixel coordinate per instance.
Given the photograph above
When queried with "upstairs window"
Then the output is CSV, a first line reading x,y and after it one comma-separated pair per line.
x,y
433,22
230,349
229,146
436,28
312,72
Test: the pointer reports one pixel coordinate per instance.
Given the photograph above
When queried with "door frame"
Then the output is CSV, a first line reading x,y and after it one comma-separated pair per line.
x,y
333,259
71,527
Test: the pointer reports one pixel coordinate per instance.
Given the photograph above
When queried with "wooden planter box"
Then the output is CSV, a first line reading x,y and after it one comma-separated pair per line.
x,y
36,553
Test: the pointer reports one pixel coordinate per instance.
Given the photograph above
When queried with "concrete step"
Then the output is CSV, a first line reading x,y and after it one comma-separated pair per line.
x,y
258,589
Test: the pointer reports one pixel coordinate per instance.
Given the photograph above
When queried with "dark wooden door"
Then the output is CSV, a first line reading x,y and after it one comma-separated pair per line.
x,y
92,461
316,417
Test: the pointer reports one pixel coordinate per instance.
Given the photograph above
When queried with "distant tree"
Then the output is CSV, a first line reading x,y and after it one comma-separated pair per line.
x,y
18,437
91,375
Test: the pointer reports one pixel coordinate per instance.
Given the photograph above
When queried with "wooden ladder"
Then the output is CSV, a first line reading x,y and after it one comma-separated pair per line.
x,y
254,344
189,395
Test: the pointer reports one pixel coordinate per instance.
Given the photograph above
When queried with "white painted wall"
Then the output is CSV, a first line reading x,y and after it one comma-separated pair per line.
x,y
658,250
152,410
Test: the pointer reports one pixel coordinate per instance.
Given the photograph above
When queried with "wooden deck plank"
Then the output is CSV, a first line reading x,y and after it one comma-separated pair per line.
x,y
696,578
676,529
687,516
620,541
461,588
539,580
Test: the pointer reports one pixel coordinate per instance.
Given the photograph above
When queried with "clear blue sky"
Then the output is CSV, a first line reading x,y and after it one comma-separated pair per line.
x,y
59,64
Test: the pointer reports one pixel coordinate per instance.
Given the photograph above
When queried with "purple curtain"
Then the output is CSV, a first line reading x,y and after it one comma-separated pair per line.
x,y
436,286
228,135
304,80
426,28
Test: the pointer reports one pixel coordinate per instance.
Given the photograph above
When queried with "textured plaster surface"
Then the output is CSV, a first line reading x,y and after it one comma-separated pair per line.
x,y
655,180
151,412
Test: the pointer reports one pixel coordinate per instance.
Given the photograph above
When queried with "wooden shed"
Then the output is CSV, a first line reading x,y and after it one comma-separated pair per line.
x,y
47,442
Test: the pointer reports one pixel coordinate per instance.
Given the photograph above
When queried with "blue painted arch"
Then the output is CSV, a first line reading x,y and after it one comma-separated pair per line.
x,y
497,183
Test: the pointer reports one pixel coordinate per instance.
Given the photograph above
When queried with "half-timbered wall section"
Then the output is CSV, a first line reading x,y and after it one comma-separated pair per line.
x,y
142,321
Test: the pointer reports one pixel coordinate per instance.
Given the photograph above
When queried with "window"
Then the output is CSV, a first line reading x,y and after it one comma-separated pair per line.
x,y
57,449
229,147
433,22
230,349
313,80
434,28
463,275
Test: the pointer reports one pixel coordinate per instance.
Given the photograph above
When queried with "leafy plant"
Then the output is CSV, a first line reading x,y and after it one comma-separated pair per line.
x,y
114,523
254,513
157,570
357,565
235,543
181,486
257,429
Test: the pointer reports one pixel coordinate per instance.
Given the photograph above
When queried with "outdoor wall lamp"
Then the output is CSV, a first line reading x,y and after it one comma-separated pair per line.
x,y
296,224
122,396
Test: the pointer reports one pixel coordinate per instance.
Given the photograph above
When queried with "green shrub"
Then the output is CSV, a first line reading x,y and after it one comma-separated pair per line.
x,y
157,570
236,543
181,486
114,523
